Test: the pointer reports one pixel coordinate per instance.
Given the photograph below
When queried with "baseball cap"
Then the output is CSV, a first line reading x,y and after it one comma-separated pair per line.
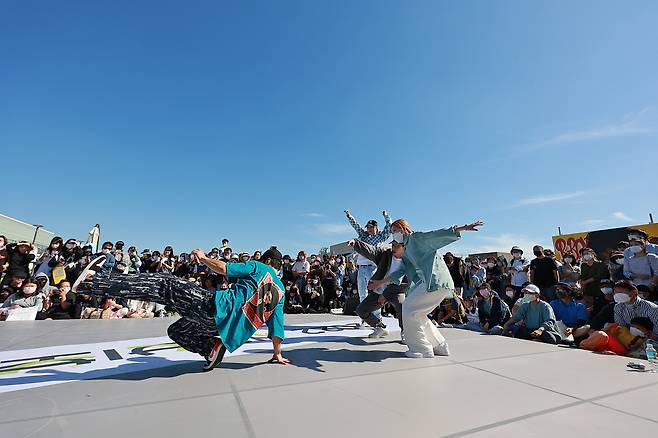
x,y
531,288
516,248
372,222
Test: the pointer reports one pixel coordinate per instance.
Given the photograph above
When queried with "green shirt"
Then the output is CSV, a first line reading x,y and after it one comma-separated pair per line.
x,y
423,263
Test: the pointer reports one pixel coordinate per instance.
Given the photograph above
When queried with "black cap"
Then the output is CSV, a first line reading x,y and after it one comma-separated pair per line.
x,y
372,222
271,253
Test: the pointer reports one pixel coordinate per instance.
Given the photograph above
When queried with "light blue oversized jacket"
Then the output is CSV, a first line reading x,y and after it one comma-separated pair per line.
x,y
422,261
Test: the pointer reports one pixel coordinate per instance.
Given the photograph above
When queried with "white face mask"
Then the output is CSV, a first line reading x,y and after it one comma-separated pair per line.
x,y
510,293
485,293
106,251
29,290
491,265
568,259
588,256
635,249
530,297
637,332
606,290
315,281
622,298
619,261
516,255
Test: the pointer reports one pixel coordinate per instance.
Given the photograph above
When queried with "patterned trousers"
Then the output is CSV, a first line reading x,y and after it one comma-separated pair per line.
x,y
195,331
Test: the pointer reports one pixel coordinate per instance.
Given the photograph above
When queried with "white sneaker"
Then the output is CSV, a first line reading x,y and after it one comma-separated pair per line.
x,y
402,339
378,332
442,350
417,355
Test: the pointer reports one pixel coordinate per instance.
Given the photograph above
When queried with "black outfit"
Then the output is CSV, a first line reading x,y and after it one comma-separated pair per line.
x,y
547,336
542,272
603,316
57,312
19,263
393,294
195,331
497,315
455,272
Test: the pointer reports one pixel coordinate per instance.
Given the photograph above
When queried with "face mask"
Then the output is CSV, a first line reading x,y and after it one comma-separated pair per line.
x,y
468,263
606,290
635,249
588,256
29,290
315,281
619,262
491,265
637,332
516,255
105,251
621,298
529,298
287,288
485,293
568,259
510,293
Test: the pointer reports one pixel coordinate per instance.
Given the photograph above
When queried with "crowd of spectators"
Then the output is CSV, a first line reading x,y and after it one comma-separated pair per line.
x,y
603,305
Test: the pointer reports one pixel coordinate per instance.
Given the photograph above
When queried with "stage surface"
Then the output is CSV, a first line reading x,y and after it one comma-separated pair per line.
x,y
339,385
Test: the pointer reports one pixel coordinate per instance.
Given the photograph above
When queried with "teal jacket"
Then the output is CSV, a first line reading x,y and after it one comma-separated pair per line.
x,y
423,263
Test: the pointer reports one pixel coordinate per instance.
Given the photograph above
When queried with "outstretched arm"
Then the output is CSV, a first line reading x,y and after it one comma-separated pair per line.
x,y
387,228
217,266
357,227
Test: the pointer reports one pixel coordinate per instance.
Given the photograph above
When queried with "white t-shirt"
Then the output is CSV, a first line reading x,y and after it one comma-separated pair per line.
x,y
395,265
519,277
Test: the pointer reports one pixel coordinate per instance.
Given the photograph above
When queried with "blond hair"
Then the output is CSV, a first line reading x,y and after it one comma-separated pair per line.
x,y
403,225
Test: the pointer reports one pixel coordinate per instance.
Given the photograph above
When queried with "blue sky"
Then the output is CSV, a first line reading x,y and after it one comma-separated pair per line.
x,y
176,123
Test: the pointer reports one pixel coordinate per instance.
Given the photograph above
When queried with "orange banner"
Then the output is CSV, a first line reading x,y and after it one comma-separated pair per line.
x,y
602,241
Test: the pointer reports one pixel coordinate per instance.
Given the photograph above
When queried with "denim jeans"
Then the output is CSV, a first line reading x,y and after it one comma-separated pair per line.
x,y
476,327
363,277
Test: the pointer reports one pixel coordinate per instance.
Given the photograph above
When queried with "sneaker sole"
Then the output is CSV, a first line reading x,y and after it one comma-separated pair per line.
x,y
94,264
220,356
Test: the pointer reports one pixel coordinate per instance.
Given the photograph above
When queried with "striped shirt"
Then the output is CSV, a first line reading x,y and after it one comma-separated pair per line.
x,y
372,239
624,313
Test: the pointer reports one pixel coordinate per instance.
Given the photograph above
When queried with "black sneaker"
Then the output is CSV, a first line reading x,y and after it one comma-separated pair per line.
x,y
91,269
216,355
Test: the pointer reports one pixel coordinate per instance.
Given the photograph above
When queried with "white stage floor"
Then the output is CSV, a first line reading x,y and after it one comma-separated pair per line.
x,y
339,386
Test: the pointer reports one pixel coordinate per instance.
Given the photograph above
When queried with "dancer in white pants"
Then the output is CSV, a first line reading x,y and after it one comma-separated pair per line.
x,y
430,283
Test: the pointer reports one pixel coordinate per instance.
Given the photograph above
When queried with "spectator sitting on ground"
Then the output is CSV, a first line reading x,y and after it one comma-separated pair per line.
x,y
27,297
314,295
109,309
450,312
511,295
492,312
293,303
571,314
59,303
604,312
13,285
630,305
537,319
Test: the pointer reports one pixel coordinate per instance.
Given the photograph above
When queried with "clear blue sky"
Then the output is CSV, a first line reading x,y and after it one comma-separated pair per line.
x,y
181,123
